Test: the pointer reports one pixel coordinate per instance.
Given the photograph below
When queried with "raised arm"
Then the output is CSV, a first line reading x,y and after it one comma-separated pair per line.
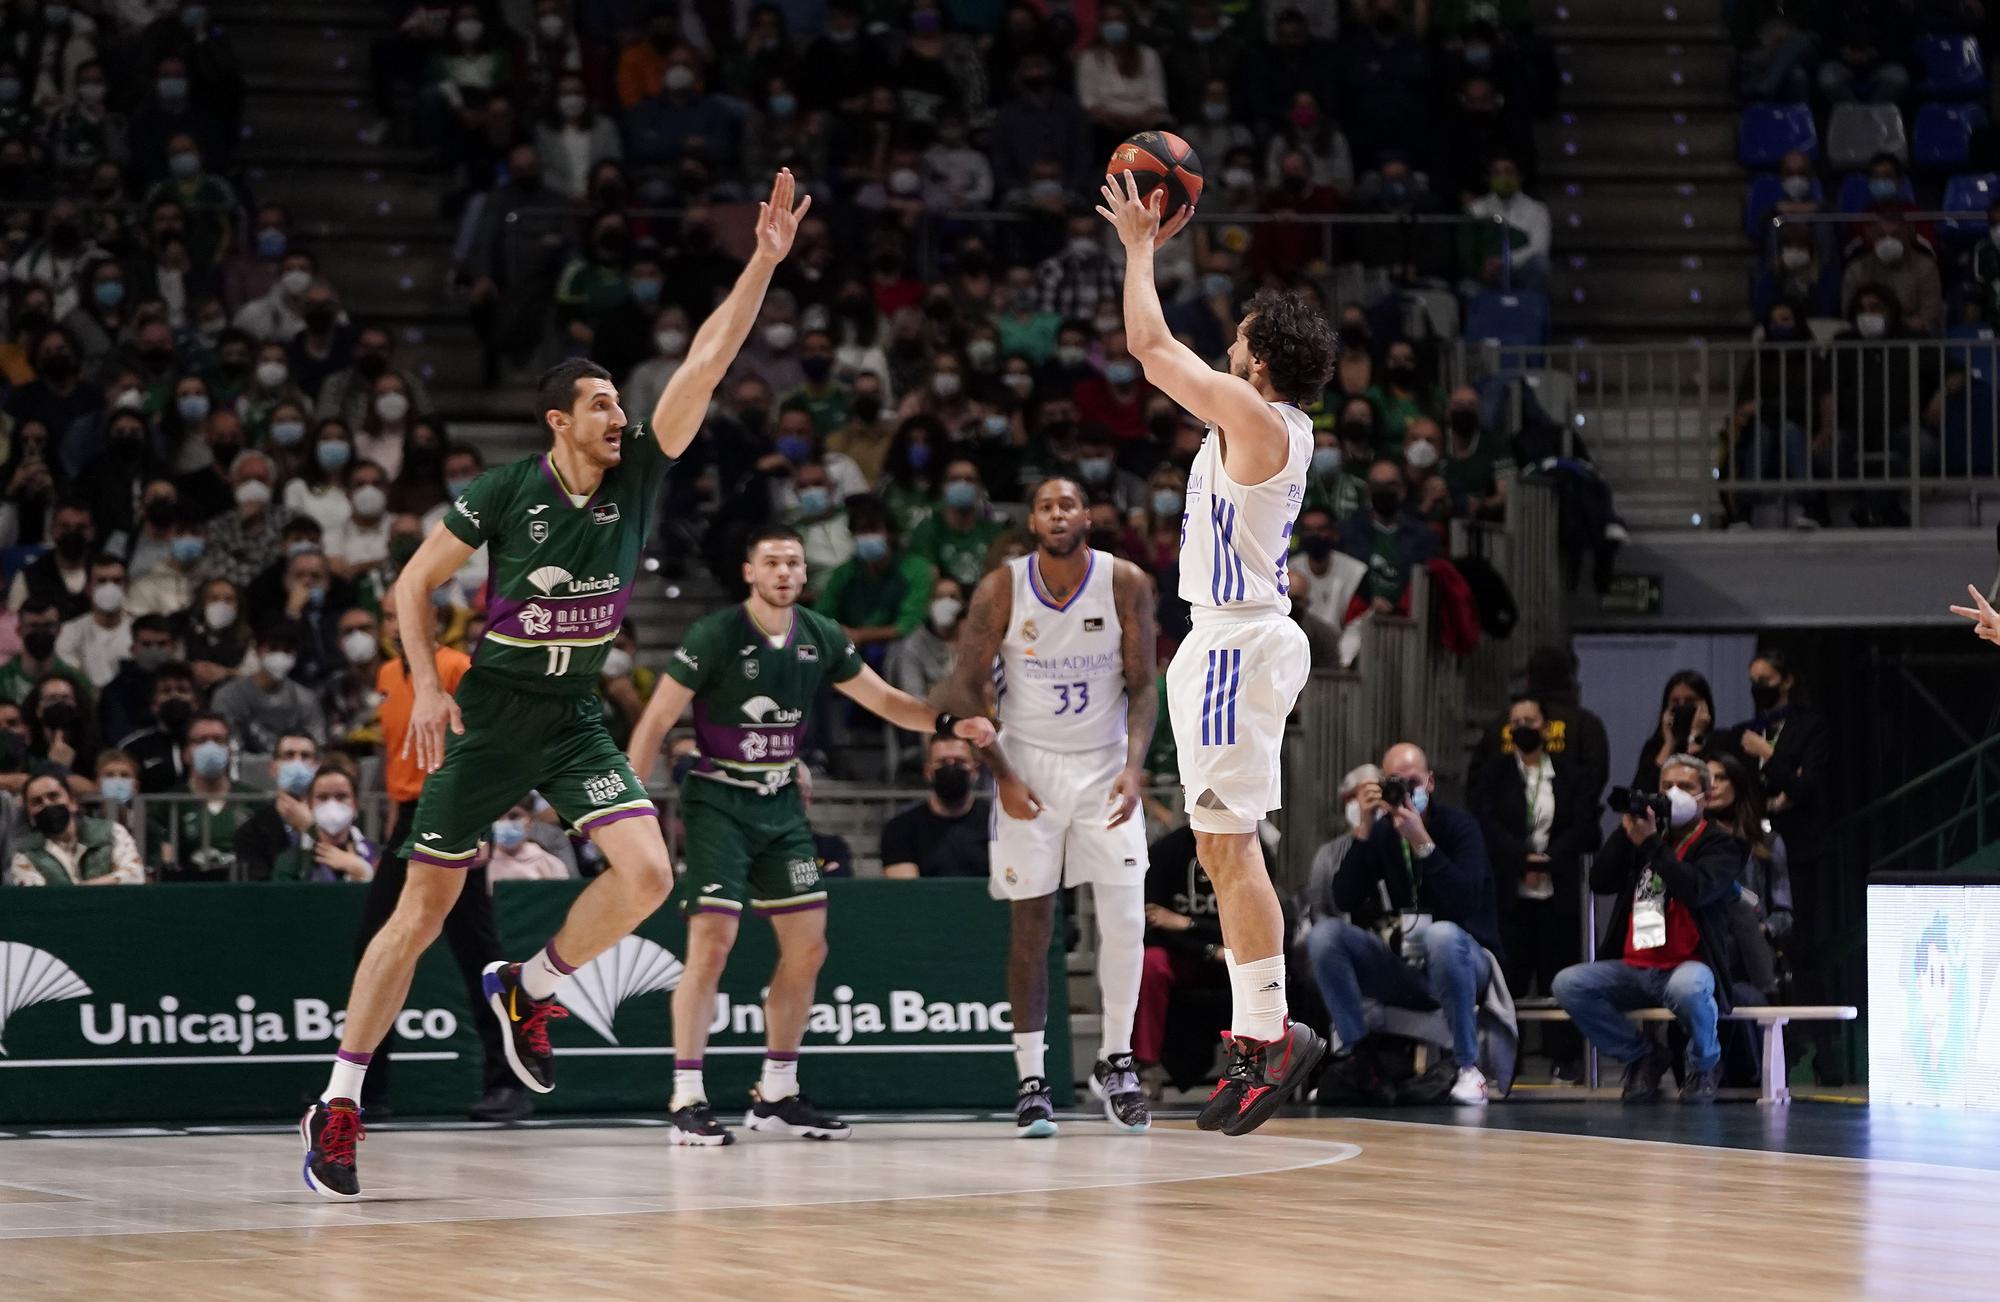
x,y
442,555
683,404
642,748
1138,651
969,690
1225,401
867,690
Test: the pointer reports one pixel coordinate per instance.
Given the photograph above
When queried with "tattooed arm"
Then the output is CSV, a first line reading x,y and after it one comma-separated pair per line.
x,y
969,690
1139,639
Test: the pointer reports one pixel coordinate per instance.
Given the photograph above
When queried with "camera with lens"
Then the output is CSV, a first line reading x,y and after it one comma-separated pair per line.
x,y
1626,800
1395,792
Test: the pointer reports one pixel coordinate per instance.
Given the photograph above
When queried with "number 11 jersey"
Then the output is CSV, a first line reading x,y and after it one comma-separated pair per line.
x,y
1060,679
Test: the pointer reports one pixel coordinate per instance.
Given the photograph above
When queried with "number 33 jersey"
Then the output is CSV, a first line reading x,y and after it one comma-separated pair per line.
x,y
1059,678
560,568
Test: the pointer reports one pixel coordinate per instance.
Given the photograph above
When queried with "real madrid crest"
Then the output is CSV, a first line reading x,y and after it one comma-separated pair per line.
x,y
539,531
1029,631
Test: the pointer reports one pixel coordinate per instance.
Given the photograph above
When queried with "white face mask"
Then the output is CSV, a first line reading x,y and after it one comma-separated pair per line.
x,y
1797,187
617,663
945,384
107,597
219,614
1889,249
1684,807
571,106
278,664
1794,256
1422,454
253,492
358,645
1082,246
945,611
392,406
1352,812
333,816
672,343
370,501
296,282
271,374
780,335
1871,325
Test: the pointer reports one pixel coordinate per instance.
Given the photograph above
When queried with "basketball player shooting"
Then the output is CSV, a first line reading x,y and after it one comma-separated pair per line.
x,y
1236,676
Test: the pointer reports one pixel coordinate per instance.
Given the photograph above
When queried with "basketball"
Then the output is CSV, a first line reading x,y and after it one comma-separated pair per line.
x,y
1159,158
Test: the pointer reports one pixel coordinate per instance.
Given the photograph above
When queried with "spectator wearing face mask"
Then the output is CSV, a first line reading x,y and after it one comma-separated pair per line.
x,y
1097,469
515,857
1769,436
1425,486
649,378
924,659
882,594
1331,482
283,824
243,542
1895,263
124,705
62,732
1115,398
39,626
573,138
1331,577
625,684
1082,275
1874,393
820,394
249,274
945,835
1982,265
1527,231
1802,276
320,492
147,545
1669,929
333,848
65,847
1326,861
349,394
820,518
362,540
215,632
264,705
957,536
117,785
279,313
1389,539
58,396
1477,469
661,129
98,641
156,746
191,835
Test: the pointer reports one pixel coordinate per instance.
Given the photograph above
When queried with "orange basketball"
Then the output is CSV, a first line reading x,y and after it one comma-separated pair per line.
x,y
1158,158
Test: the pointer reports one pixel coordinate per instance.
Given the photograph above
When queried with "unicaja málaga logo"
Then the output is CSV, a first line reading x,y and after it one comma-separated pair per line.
x,y
30,976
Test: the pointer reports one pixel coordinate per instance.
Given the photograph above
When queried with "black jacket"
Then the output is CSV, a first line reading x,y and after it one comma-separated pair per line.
x,y
1499,798
260,839
1797,769
1704,882
1574,735
1454,885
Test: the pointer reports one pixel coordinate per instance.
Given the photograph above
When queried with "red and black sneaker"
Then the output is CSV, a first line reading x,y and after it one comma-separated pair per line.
x,y
524,1025
330,1130
1227,1096
1271,1072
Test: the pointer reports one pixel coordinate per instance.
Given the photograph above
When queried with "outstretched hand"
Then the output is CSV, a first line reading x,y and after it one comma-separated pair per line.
x,y
1985,619
977,729
777,220
1137,220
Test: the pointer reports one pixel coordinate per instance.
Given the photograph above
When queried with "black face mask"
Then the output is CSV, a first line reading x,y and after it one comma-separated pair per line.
x,y
816,369
951,782
320,317
174,714
1464,422
1058,431
159,511
868,408
35,320
73,546
372,365
611,195
13,749
752,419
1527,740
1386,502
39,643
1764,696
52,820
59,368
58,716
1162,427
1402,377
1317,546
1103,540
1356,432
65,238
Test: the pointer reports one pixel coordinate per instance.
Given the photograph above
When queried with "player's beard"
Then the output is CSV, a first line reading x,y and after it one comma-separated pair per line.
x,y
771,597
1075,539
1243,374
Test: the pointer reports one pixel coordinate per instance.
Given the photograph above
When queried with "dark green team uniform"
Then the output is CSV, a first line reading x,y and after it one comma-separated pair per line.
x,y
560,578
747,836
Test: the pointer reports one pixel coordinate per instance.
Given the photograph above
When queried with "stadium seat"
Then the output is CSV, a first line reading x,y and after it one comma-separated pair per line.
x,y
1768,132
1971,192
1507,319
1762,196
1942,139
1854,196
1953,67
1856,133
1969,417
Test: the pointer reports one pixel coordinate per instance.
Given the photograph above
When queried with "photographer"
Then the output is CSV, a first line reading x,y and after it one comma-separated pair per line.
x,y
1674,871
1687,716
1420,870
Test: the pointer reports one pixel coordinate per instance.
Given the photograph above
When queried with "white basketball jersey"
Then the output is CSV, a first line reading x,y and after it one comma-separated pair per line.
x,y
1235,540
1059,678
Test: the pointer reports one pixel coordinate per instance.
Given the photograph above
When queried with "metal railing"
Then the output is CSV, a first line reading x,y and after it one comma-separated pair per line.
x,y
1893,425
155,824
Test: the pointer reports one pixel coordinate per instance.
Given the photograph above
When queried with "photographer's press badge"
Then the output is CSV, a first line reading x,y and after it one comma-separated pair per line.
x,y
1649,913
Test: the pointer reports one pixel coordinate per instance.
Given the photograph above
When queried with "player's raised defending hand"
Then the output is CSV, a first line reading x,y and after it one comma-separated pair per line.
x,y
777,220
1985,619
1137,220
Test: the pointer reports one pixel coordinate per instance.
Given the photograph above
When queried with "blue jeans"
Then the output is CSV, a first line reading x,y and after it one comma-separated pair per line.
x,y
1597,995
1351,963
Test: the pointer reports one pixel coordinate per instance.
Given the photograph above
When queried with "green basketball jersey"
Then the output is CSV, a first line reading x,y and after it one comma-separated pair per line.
x,y
751,694
559,574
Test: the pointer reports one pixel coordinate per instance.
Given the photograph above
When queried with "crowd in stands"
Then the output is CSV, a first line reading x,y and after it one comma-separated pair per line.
x,y
1863,118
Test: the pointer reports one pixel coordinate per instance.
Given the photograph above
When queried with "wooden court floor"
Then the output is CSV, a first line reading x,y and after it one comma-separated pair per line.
x,y
1332,1207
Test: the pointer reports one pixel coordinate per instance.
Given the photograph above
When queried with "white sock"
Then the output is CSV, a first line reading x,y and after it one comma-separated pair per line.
x,y
1258,990
1121,958
688,1088
780,1079
542,974
348,1071
1030,1049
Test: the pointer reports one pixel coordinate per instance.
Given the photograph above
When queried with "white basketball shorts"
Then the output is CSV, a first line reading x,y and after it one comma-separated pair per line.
x,y
1230,688
1068,842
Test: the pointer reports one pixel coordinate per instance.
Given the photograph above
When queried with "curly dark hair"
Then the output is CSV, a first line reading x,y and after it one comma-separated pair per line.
x,y
1292,338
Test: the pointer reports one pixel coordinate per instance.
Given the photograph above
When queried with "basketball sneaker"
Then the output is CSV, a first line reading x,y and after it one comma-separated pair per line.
x,y
792,1115
331,1129
696,1126
524,1025
1269,1072
1227,1096
1034,1110
1115,1081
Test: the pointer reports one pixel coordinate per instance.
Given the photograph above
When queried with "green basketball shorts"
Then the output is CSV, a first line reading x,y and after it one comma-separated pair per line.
x,y
746,848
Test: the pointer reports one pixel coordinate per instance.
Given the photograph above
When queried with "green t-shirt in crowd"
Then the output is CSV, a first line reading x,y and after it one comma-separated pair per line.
x,y
1475,475
1388,567
959,553
829,410
1034,337
16,683
1344,495
899,594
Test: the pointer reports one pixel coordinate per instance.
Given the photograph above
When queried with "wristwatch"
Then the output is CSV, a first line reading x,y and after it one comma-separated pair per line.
x,y
1430,848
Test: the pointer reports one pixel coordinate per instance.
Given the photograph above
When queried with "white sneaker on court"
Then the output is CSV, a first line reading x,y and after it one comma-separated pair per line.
x,y
1470,1087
